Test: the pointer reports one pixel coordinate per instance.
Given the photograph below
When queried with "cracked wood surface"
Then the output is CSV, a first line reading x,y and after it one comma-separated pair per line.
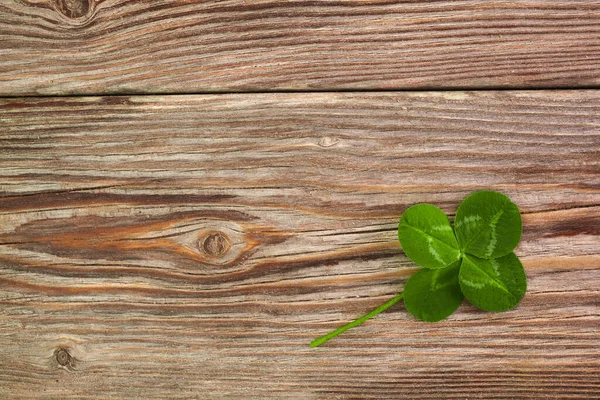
x,y
192,246
57,47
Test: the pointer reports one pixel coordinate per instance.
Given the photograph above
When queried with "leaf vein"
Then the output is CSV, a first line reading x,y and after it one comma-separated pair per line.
x,y
494,280
495,218
428,235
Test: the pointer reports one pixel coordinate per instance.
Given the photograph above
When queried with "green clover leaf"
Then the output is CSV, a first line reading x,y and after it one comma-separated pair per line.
x,y
488,225
433,294
493,285
428,237
474,260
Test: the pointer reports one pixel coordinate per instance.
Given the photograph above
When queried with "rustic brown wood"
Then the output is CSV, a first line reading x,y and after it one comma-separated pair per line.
x,y
192,246
175,46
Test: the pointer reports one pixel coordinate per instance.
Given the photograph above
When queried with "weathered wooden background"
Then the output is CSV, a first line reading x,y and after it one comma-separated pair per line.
x,y
87,46
161,245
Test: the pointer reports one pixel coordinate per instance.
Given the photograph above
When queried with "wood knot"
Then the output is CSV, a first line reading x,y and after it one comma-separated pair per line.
x,y
63,357
328,141
214,244
74,8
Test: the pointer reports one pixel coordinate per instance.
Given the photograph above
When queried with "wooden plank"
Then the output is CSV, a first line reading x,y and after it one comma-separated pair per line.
x,y
118,46
192,246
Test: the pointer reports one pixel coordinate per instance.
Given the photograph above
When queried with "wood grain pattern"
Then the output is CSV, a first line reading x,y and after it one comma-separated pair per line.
x,y
192,246
177,46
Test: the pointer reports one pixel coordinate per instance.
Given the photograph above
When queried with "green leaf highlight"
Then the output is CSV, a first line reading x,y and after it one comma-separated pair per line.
x,y
488,225
427,238
433,294
493,285
342,329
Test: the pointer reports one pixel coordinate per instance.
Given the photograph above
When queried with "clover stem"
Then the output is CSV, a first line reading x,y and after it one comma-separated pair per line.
x,y
342,329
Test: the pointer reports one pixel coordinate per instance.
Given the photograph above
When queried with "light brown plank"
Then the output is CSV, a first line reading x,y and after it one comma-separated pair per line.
x,y
192,246
118,46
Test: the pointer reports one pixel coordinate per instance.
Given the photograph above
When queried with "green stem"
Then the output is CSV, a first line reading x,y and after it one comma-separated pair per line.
x,y
342,329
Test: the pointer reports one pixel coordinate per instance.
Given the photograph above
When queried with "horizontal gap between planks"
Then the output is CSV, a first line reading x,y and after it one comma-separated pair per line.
x,y
302,91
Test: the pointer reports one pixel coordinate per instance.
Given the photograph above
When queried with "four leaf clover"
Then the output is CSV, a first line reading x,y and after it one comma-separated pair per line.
x,y
474,259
